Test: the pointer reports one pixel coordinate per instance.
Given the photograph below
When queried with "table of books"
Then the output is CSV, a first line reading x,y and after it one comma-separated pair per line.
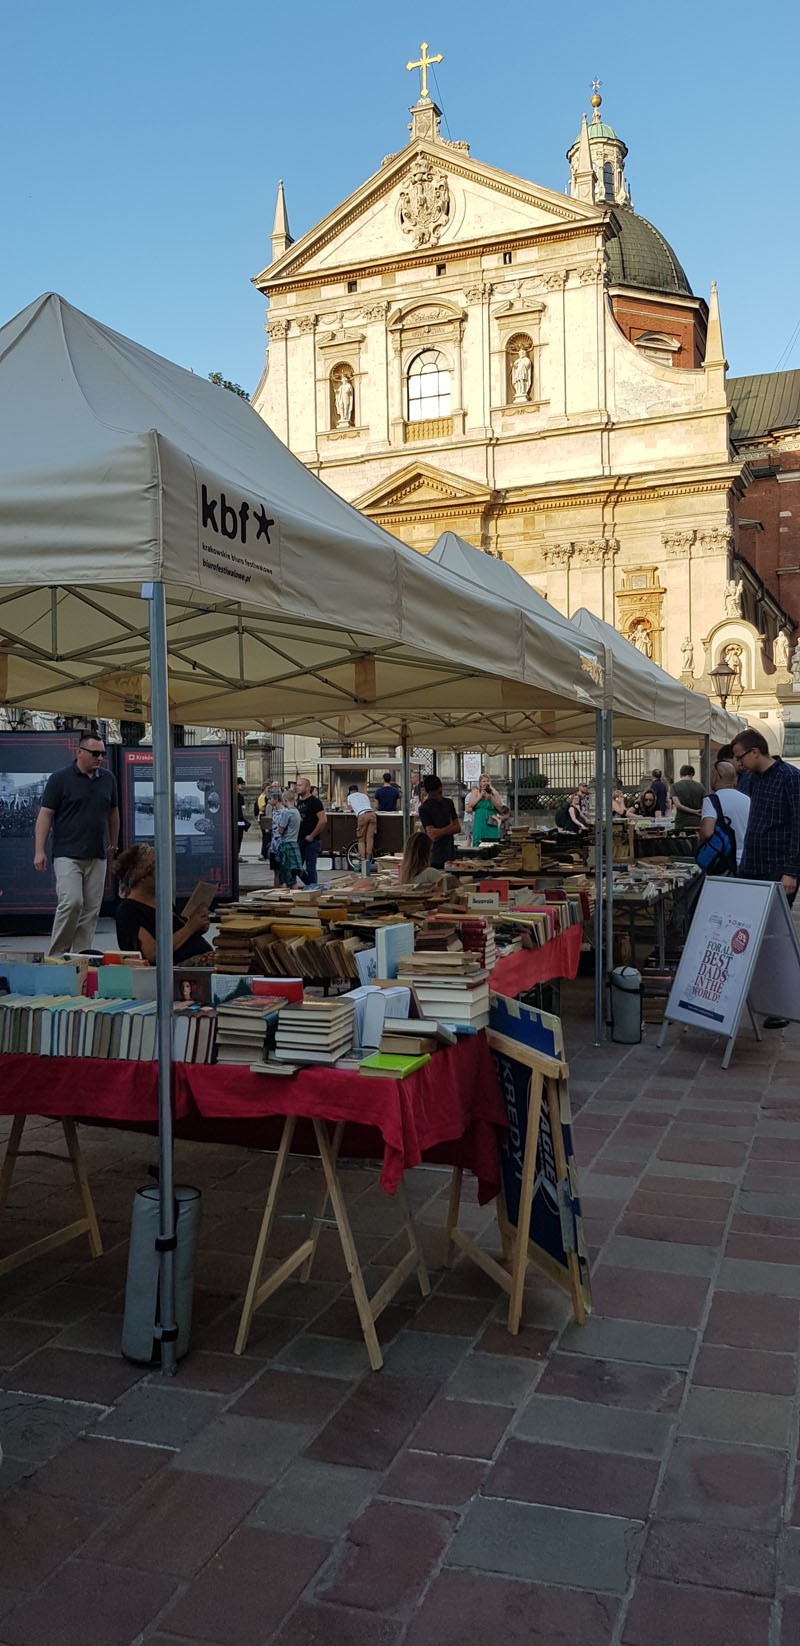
x,y
451,1112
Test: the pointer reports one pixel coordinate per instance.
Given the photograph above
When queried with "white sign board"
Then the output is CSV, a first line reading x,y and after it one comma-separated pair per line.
x,y
741,949
472,767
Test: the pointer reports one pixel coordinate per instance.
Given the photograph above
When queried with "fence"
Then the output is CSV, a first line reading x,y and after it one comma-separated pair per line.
x,y
566,770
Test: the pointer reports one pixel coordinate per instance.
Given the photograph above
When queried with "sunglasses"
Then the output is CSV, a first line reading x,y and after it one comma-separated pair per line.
x,y
96,754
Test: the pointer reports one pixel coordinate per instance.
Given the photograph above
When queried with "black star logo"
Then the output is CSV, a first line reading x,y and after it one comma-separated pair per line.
x,y
263,522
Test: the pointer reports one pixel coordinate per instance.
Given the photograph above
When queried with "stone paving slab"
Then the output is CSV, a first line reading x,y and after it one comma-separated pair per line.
x,y
628,1483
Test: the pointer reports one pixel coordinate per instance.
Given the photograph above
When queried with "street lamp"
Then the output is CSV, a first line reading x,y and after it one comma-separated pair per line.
x,y
723,677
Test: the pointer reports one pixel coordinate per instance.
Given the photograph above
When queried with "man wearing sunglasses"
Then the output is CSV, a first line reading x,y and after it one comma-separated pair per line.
x,y
80,806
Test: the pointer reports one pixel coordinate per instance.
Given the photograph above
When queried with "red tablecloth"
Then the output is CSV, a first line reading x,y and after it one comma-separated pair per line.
x,y
450,1110
514,973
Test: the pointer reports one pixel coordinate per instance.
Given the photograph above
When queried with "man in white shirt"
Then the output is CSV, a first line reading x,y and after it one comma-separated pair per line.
x,y
366,823
735,806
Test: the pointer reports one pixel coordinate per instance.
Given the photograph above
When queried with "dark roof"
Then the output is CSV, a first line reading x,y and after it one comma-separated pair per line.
x,y
640,256
764,403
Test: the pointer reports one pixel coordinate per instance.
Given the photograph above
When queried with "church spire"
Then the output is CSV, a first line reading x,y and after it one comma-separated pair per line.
x,y
280,238
582,187
607,152
714,365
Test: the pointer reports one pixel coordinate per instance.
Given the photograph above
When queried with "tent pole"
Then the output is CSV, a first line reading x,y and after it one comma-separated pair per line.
x,y
163,830
406,782
705,759
609,853
516,788
599,753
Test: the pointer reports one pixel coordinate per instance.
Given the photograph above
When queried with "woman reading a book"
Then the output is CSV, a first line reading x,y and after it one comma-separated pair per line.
x,y
136,914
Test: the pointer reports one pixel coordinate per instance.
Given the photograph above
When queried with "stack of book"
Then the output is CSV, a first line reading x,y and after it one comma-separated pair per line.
x,y
75,1026
234,946
411,1036
474,934
451,988
318,1031
246,1026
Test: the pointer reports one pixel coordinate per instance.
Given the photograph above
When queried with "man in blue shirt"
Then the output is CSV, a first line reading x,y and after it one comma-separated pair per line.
x,y
772,842
79,804
387,794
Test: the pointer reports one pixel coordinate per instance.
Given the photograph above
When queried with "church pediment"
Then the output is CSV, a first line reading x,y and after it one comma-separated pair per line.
x,y
428,196
420,484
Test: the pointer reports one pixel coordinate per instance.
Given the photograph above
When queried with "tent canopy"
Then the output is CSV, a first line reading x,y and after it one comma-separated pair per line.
x,y
649,705
284,604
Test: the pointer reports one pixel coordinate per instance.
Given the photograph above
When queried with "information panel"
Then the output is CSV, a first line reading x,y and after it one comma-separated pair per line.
x,y
206,841
26,761
741,949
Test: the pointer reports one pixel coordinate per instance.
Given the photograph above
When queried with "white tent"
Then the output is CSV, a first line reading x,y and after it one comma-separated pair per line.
x,y
163,556
648,704
118,468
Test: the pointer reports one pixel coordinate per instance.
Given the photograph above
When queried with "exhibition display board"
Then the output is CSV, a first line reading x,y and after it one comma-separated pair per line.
x,y
206,846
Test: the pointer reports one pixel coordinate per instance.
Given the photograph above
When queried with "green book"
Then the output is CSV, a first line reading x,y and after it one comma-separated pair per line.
x,y
393,1064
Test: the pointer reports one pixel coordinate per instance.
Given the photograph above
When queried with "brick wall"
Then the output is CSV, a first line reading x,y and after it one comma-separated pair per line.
x,y
635,315
773,546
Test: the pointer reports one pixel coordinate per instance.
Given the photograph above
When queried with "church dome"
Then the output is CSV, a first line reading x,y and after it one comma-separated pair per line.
x,y
640,256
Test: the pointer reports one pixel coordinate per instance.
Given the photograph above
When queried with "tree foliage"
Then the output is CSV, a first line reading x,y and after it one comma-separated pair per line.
x,y
225,383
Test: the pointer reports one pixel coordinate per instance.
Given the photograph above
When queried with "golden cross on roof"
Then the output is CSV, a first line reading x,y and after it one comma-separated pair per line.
x,y
423,65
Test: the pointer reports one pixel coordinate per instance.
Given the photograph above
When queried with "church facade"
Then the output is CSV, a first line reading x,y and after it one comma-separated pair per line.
x,y
456,348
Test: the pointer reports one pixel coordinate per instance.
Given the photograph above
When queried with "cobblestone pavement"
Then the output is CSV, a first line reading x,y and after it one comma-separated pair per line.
x,y
628,1484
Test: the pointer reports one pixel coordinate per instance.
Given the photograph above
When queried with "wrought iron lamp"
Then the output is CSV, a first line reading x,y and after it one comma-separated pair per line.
x,y
723,677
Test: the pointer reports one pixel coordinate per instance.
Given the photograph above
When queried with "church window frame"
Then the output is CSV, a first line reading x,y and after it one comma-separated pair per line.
x,y
428,385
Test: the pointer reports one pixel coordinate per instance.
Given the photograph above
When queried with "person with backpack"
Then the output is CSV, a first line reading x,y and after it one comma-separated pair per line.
x,y
723,823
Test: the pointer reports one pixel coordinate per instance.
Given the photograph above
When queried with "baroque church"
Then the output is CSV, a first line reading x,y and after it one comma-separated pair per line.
x,y
456,348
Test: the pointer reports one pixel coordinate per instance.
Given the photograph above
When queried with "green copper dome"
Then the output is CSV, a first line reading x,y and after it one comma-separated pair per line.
x,y
598,129
640,256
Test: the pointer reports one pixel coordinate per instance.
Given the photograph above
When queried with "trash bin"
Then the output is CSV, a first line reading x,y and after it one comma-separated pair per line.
x,y
625,1005
139,1336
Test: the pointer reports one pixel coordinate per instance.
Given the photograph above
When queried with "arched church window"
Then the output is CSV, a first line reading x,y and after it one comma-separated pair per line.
x,y
658,346
519,369
428,382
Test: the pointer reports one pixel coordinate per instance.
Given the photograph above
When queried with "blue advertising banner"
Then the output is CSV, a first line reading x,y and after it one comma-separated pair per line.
x,y
519,1035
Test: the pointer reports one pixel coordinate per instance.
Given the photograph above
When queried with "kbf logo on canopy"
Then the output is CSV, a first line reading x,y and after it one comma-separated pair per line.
x,y
238,539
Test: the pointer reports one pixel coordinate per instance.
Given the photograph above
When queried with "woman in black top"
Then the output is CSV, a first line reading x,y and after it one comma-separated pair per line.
x,y
136,914
645,806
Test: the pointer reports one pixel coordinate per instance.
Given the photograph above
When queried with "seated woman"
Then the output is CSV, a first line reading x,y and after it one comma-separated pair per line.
x,y
136,914
645,806
416,860
618,806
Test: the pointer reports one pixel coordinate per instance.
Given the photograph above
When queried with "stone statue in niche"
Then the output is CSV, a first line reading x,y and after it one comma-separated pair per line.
x,y
733,657
687,656
641,638
733,597
795,667
344,399
521,376
780,650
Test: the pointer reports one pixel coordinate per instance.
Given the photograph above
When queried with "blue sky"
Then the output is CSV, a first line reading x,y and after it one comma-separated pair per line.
x,y
142,146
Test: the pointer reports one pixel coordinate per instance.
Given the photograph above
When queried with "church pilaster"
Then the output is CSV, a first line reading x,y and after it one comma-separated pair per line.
x,y
279,377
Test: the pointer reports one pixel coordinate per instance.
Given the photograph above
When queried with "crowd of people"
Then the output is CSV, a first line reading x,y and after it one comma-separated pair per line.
x,y
747,824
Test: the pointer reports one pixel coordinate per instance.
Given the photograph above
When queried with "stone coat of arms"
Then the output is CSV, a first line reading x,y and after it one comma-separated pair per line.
x,y
424,204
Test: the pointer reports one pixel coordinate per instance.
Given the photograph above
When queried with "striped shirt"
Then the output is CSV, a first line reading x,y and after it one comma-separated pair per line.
x,y
772,843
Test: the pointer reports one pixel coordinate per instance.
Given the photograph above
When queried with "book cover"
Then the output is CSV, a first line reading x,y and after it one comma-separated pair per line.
x,y
393,1066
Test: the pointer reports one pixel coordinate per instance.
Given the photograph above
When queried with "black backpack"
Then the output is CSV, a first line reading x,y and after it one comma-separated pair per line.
x,y
717,855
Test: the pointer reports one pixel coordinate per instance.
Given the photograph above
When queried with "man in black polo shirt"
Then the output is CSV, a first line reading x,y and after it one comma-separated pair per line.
x,y
439,819
80,805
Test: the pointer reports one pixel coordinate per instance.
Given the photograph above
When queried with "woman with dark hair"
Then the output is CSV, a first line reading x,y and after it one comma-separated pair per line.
x,y
416,857
646,805
136,914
